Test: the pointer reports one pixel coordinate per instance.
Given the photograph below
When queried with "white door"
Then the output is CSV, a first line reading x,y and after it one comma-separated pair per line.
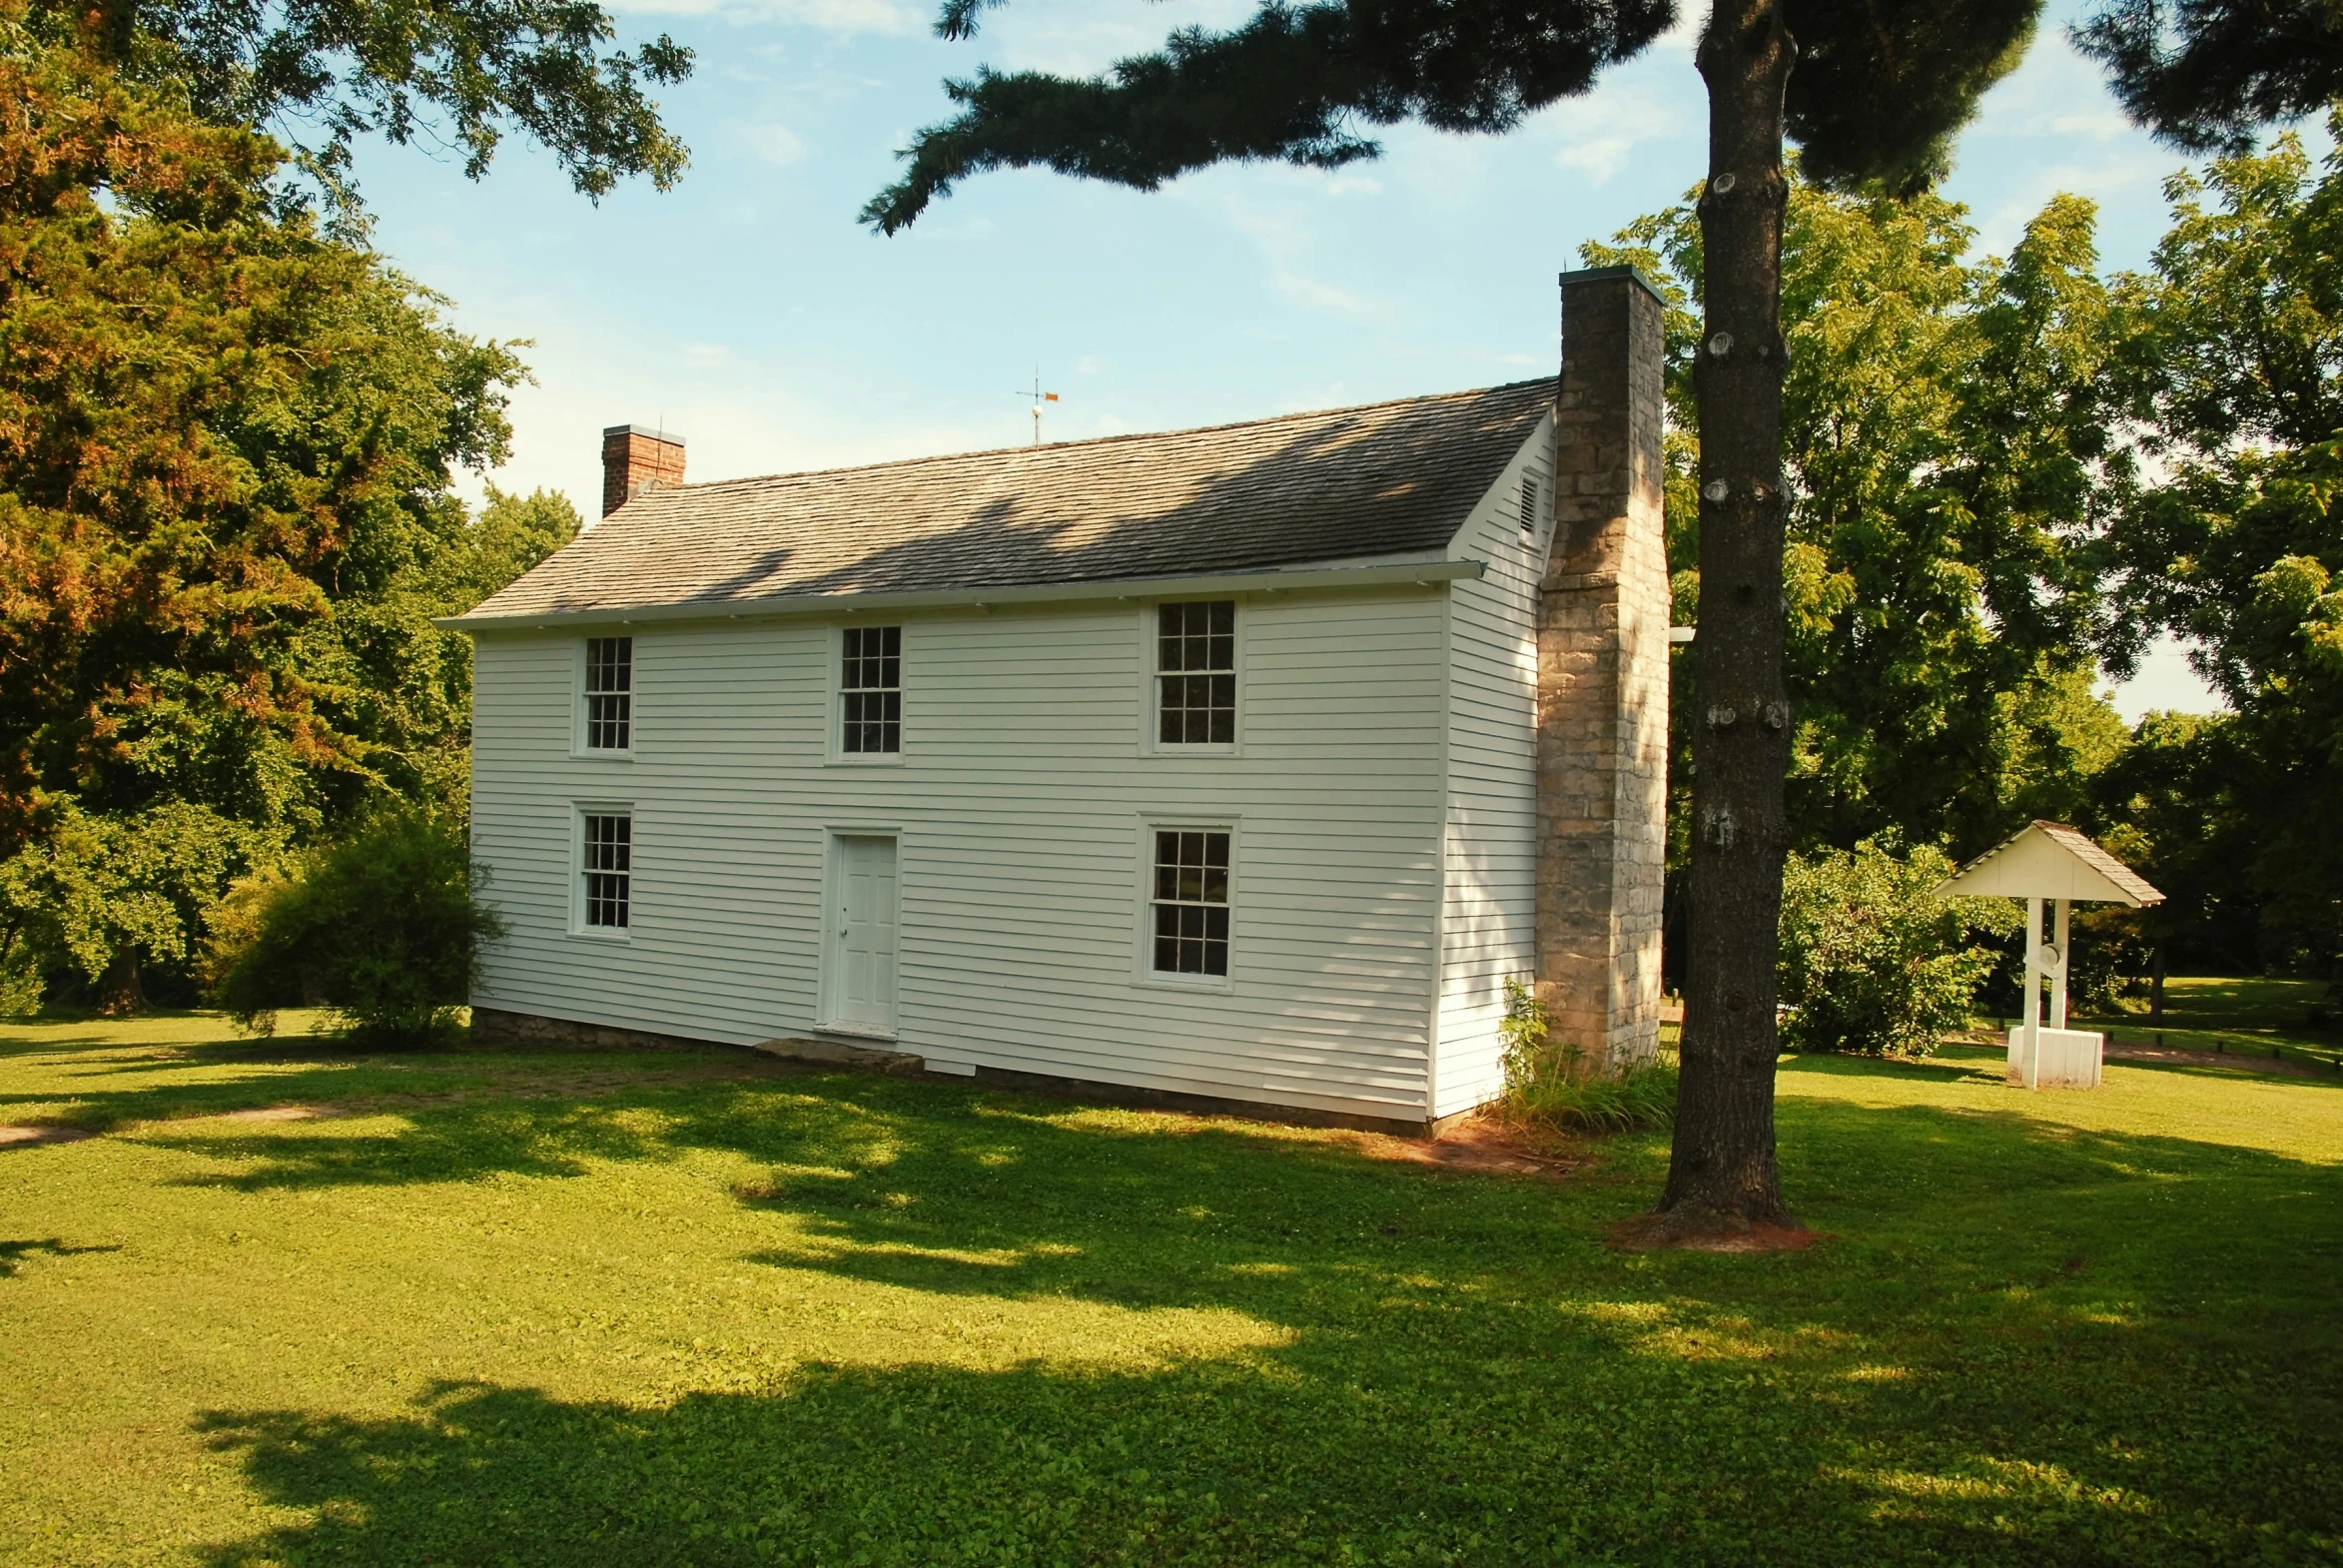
x,y
862,935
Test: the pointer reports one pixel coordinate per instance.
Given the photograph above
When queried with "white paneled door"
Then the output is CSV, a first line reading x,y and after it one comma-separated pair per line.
x,y
862,935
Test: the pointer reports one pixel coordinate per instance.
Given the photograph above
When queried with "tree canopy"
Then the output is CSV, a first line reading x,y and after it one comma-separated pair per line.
x,y
1951,470
2208,74
227,450
2234,375
322,73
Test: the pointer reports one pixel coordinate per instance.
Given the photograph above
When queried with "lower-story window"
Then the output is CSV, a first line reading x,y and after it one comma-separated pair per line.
x,y
608,868
1191,901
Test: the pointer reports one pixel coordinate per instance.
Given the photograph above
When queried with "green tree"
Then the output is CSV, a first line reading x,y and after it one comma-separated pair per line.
x,y
324,73
1950,472
2207,73
227,449
2235,374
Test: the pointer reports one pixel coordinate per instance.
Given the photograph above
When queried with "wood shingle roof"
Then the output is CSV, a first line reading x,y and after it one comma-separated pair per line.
x,y
1345,485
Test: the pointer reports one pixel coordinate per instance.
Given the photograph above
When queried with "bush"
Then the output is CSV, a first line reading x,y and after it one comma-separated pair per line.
x,y
1551,1085
385,930
1871,960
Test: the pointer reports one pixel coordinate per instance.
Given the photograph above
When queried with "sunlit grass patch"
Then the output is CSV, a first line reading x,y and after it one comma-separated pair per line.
x,y
699,1309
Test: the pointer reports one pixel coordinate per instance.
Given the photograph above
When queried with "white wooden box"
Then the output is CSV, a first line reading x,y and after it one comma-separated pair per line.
x,y
2070,1058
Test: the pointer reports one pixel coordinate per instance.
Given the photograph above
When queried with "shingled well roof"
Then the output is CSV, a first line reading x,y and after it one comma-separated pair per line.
x,y
1387,479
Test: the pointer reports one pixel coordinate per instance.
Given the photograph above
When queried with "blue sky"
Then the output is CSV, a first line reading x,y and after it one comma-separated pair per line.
x,y
750,313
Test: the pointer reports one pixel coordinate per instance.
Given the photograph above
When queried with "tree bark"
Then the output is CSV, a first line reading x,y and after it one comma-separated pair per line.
x,y
121,989
1722,1170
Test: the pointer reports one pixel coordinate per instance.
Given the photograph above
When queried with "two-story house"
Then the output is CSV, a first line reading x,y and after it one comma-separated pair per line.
x,y
1223,767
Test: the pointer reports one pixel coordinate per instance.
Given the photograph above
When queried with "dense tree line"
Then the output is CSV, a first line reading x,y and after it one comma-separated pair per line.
x,y
2007,476
228,445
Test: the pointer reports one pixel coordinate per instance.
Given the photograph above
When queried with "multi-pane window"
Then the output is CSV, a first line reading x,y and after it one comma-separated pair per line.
x,y
608,868
1192,902
870,690
1196,674
609,693
1529,503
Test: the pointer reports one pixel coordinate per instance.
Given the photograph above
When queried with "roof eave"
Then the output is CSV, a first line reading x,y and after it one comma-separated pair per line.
x,y
1429,573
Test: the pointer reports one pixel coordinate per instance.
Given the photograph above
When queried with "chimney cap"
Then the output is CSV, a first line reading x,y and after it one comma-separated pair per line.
x,y
669,437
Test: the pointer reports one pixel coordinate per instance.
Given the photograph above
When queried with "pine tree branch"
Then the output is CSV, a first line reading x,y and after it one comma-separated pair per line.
x,y
1288,86
2207,73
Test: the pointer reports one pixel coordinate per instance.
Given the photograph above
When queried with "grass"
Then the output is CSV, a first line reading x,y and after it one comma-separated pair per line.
x,y
696,1309
2250,1017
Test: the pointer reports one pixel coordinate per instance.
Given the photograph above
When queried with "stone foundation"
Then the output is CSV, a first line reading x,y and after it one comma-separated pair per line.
x,y
495,1026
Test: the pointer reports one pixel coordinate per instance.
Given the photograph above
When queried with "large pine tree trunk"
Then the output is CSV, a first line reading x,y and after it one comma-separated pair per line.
x,y
1722,1174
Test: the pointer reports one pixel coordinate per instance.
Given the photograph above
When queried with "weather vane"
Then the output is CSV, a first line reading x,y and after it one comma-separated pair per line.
x,y
1039,397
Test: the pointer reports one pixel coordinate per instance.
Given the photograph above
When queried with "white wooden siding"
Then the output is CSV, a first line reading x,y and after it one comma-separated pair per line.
x,y
1488,917
1019,800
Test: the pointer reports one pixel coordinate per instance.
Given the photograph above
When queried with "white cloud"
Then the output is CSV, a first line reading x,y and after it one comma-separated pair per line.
x,y
706,356
775,144
1285,241
1601,133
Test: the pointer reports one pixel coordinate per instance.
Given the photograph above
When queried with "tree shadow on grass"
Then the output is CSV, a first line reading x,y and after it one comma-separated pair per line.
x,y
2029,1343
167,1083
12,1254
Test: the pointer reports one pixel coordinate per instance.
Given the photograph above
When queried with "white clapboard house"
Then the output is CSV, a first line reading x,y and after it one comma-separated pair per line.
x,y
1225,767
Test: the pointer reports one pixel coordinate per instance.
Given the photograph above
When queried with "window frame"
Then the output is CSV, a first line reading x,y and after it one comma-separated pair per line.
x,y
579,730
1143,957
1151,674
834,750
580,810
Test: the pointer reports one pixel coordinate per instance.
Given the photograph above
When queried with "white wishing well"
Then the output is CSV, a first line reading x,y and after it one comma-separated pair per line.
x,y
2050,860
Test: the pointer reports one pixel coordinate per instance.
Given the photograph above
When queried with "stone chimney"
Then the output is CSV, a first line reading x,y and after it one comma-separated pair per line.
x,y
1602,741
635,460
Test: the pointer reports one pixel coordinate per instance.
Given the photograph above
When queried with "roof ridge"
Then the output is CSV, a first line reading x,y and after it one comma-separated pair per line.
x,y
1099,440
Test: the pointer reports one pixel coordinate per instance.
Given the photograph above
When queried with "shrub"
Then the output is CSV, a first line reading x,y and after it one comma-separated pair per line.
x,y
385,929
1871,960
1551,1085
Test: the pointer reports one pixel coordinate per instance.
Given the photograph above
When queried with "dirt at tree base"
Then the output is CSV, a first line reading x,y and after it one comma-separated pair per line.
x,y
1679,1231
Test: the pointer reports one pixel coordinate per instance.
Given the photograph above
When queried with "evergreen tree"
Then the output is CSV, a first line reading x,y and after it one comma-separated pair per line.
x,y
2207,73
1877,93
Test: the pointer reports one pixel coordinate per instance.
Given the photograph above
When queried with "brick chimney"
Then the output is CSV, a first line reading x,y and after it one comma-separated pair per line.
x,y
1602,741
635,460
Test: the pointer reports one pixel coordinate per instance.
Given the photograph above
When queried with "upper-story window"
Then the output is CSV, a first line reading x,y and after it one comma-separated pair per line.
x,y
1196,674
870,690
609,693
1529,503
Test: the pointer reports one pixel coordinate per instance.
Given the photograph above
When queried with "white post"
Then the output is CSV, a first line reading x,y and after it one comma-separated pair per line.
x,y
2059,970
2030,1058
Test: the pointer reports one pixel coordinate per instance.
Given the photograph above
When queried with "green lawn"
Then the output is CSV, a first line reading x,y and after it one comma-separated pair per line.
x,y
694,1309
2250,1017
